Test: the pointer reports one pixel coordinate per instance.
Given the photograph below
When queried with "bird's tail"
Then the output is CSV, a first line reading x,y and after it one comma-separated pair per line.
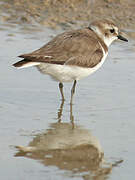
x,y
25,63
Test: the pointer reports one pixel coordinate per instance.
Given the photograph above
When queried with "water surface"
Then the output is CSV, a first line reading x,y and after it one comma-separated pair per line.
x,y
103,138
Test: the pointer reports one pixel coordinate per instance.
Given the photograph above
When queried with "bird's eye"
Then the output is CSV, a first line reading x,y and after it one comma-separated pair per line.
x,y
112,30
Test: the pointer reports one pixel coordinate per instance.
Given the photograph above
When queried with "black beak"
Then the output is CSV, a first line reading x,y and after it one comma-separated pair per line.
x,y
122,38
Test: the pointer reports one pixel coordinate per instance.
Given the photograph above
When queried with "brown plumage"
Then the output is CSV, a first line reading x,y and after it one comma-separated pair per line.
x,y
77,47
74,55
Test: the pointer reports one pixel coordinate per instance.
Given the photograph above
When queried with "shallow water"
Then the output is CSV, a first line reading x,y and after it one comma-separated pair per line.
x,y
103,136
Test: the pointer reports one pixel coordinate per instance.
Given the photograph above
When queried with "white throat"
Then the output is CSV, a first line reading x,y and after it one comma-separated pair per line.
x,y
108,41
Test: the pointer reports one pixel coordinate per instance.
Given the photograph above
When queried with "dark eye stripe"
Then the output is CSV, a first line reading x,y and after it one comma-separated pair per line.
x,y
112,30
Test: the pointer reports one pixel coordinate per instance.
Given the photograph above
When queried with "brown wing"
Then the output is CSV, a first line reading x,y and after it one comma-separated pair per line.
x,y
89,61
78,47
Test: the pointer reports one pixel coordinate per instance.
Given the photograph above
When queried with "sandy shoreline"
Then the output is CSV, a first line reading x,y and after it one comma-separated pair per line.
x,y
67,14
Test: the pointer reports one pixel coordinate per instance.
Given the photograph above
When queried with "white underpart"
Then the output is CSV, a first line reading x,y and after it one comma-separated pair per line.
x,y
29,65
68,73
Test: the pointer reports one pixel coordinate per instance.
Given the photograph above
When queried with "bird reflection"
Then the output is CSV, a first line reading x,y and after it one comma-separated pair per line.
x,y
68,147
60,110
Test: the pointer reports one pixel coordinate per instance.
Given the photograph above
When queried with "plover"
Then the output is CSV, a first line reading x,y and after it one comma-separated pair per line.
x,y
73,55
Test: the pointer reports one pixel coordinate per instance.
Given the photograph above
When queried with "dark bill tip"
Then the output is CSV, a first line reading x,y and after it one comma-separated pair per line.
x,y
122,38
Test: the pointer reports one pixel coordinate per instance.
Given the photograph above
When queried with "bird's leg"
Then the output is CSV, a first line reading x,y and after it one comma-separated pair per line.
x,y
61,91
60,111
72,92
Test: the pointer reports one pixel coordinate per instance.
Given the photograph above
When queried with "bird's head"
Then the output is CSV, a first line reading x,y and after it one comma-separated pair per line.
x,y
107,31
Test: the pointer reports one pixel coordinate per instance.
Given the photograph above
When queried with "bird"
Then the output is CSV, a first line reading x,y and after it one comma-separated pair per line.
x,y
74,54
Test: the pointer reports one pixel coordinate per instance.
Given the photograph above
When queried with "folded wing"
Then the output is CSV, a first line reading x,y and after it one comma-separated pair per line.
x,y
77,47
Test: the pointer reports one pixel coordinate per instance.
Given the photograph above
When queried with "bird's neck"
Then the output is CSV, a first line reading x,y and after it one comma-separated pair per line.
x,y
101,41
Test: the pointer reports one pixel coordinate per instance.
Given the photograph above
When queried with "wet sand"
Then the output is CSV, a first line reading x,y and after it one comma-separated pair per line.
x,y
103,110
67,14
